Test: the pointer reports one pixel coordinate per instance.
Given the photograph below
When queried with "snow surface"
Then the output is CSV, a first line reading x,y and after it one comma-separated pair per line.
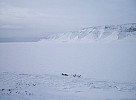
x,y
107,65
107,71
17,86
110,61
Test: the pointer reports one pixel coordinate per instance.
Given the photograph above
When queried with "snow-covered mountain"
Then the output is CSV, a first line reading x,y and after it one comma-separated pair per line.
x,y
90,34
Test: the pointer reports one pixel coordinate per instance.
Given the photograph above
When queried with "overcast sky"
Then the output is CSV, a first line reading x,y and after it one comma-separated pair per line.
x,y
35,17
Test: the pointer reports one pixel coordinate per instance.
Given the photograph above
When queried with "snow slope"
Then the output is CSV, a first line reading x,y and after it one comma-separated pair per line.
x,y
106,33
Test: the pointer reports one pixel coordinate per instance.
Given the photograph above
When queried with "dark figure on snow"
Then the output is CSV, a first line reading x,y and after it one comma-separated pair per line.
x,y
64,74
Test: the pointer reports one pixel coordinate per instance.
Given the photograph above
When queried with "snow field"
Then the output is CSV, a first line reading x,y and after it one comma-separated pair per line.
x,y
16,86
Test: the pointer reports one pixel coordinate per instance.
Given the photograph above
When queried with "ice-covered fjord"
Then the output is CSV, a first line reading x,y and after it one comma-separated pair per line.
x,y
95,63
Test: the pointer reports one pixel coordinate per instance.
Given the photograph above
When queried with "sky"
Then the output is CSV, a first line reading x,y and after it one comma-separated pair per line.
x,y
38,17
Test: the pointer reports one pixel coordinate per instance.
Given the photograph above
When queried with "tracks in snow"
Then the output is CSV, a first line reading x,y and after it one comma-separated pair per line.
x,y
29,84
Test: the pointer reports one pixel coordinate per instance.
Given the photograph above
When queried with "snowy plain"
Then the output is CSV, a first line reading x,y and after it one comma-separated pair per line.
x,y
114,61
98,63
32,71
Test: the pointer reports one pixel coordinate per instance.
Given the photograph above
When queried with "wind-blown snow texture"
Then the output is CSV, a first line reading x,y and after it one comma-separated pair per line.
x,y
104,33
18,86
33,71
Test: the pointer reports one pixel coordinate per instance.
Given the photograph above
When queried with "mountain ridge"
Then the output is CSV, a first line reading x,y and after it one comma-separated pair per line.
x,y
96,33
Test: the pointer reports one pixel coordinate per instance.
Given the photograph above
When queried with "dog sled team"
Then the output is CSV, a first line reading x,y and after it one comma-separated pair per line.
x,y
75,75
